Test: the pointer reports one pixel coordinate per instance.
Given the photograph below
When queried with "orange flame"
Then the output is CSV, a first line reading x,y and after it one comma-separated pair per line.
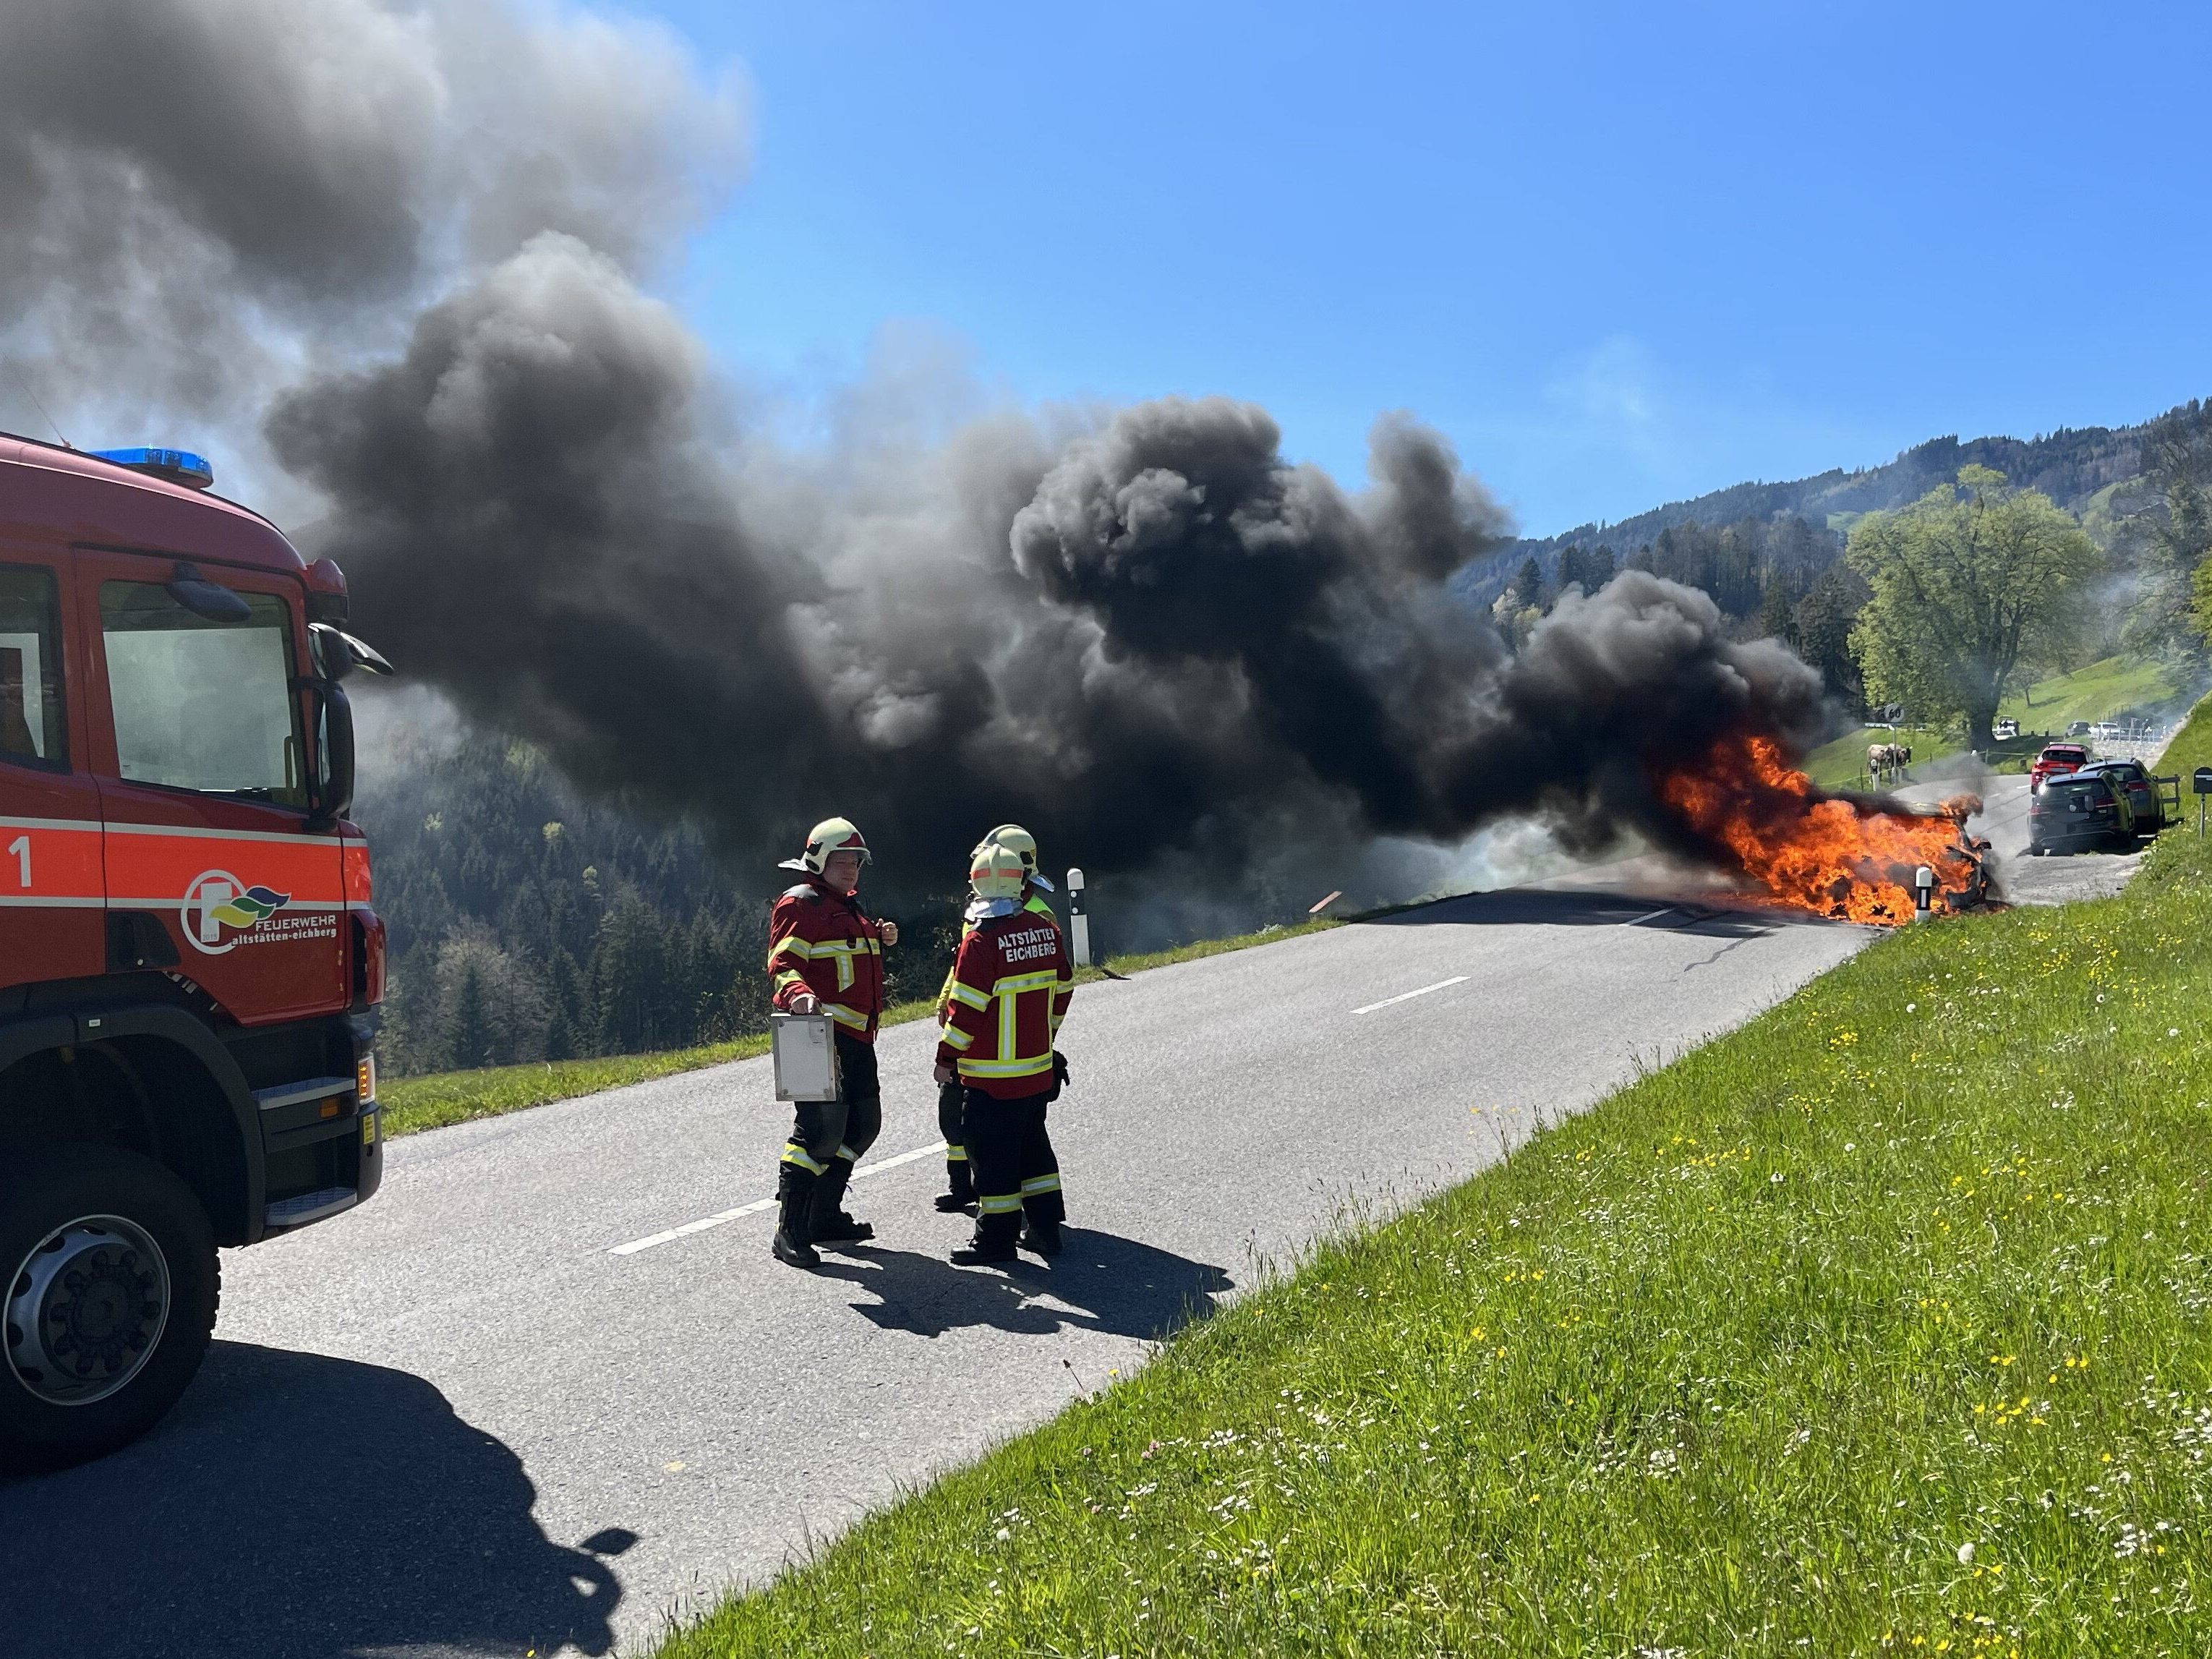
x,y
1819,853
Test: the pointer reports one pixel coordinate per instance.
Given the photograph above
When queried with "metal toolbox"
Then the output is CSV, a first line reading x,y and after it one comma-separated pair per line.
x,y
805,1050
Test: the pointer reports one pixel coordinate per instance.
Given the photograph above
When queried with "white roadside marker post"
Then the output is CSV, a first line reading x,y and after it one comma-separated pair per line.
x,y
1078,924
1923,892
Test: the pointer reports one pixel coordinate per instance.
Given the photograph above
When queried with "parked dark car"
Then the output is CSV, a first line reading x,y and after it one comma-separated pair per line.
x,y
2074,809
2133,780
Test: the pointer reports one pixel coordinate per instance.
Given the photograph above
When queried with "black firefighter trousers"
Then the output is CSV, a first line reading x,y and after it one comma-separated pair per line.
x,y
828,1137
1011,1154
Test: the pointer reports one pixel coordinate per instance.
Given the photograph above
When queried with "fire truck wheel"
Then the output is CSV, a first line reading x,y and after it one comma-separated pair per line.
x,y
109,1302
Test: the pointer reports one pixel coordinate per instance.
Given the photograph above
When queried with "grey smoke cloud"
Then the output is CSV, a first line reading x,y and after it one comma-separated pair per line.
x,y
206,199
418,238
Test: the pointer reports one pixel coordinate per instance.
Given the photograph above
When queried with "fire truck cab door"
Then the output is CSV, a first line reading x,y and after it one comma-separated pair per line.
x,y
199,732
50,896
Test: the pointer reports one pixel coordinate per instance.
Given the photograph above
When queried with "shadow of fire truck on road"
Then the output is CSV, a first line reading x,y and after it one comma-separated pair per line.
x,y
293,1507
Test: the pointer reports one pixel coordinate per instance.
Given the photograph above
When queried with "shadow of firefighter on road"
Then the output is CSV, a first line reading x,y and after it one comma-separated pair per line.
x,y
1101,1283
298,1506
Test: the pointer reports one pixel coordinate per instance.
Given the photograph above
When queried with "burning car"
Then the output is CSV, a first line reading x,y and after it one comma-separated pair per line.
x,y
1850,858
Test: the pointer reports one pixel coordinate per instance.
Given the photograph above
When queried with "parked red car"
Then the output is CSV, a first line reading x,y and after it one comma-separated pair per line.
x,y
2056,760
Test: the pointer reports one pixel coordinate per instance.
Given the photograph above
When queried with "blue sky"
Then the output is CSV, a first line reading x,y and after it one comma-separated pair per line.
x,y
1619,253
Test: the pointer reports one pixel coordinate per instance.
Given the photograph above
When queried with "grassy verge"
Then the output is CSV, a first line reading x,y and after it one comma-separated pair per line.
x,y
2101,691
441,1098
1841,764
2097,692
1878,1326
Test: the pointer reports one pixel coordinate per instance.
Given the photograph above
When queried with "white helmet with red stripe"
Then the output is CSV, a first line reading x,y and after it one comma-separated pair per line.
x,y
1019,842
831,836
995,872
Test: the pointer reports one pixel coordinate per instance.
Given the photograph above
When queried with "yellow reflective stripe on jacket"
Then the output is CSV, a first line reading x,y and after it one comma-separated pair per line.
x,y
954,1036
978,1000
826,947
844,1016
1005,1068
1008,991
840,951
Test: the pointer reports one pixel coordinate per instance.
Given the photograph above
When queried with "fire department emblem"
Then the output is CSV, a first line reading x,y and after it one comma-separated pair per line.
x,y
220,908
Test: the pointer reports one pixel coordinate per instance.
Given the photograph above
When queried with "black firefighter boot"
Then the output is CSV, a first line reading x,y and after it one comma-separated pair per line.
x,y
960,1181
794,1192
829,1223
1041,1214
959,1174
993,1242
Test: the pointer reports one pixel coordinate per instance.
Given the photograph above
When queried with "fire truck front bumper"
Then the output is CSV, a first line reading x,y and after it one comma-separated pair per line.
x,y
323,1142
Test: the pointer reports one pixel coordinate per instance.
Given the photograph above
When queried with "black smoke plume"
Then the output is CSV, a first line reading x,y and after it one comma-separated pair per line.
x,y
1143,633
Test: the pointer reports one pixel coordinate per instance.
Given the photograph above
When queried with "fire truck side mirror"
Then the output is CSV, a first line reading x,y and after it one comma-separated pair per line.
x,y
340,652
333,794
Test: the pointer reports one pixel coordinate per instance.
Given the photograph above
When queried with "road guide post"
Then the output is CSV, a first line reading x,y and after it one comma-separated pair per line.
x,y
2203,784
1924,891
1078,924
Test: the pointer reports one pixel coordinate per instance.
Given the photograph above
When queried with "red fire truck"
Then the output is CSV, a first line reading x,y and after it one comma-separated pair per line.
x,y
189,966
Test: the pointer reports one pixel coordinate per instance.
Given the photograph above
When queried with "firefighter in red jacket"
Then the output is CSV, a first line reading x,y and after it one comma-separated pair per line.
x,y
959,1180
825,955
1011,985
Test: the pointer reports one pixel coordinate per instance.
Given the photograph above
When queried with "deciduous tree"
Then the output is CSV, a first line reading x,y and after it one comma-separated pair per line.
x,y
1969,582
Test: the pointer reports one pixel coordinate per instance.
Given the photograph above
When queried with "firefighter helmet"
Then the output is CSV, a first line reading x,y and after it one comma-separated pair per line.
x,y
831,836
1019,842
995,871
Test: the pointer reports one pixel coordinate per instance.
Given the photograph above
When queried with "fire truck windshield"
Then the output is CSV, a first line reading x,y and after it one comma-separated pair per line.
x,y
202,704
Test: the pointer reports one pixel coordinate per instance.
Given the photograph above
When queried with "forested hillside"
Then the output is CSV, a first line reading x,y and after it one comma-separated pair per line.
x,y
528,923
2071,466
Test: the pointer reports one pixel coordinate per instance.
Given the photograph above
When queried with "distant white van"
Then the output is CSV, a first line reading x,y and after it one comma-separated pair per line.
x,y
2104,731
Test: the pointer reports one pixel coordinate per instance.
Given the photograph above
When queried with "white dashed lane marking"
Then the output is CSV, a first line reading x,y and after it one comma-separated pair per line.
x,y
760,1205
1404,996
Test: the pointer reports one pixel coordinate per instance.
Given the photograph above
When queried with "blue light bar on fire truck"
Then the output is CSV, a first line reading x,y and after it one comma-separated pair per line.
x,y
179,466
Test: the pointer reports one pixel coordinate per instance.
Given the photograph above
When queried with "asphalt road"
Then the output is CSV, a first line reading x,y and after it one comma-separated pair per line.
x,y
457,1421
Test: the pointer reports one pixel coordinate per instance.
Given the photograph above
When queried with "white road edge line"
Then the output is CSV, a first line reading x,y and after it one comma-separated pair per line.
x,y
1637,922
758,1205
1402,996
